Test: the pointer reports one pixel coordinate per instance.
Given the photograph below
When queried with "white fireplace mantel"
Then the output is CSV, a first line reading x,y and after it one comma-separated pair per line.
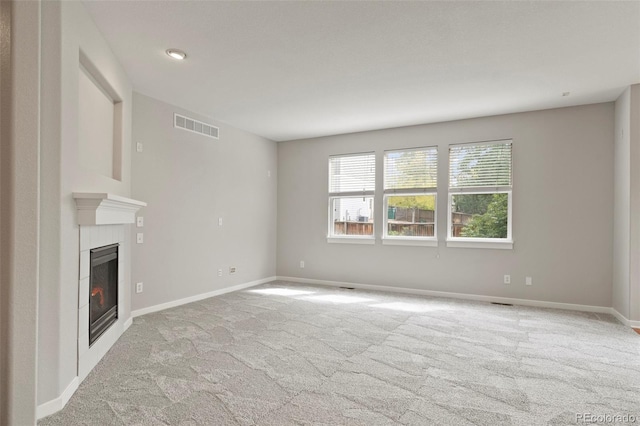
x,y
105,209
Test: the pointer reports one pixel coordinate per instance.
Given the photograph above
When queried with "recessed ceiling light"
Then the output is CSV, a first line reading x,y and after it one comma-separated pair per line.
x,y
176,54
566,93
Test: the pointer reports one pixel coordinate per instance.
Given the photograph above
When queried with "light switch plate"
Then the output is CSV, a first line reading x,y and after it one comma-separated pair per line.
x,y
140,221
139,238
139,147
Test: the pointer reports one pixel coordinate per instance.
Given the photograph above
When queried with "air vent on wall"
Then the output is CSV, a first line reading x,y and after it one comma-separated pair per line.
x,y
195,126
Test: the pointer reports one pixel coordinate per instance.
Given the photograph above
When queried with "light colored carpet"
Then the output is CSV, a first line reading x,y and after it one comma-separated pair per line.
x,y
282,353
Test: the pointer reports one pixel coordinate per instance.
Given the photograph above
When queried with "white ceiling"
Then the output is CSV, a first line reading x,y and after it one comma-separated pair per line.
x,y
291,70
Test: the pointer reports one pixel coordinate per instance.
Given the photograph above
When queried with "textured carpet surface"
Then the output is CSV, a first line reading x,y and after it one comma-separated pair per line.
x,y
282,353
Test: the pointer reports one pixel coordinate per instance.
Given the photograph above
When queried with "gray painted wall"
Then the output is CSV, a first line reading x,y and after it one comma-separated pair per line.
x,y
634,249
189,181
562,206
622,204
20,217
49,380
5,226
626,232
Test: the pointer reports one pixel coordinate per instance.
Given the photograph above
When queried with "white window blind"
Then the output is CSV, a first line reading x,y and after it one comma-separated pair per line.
x,y
411,169
482,165
352,174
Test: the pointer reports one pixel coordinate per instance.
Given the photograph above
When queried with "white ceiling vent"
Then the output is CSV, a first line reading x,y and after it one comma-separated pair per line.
x,y
195,126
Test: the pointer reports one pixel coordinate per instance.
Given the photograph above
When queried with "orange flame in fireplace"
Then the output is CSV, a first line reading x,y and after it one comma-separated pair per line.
x,y
99,291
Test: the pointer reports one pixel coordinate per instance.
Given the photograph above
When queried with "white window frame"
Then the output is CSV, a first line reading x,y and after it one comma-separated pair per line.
x,y
472,242
351,239
405,240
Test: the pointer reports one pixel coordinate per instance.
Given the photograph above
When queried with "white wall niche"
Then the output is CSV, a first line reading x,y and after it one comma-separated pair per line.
x,y
99,122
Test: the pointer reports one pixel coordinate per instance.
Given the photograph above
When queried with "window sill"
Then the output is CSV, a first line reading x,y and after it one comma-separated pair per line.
x,y
351,240
410,242
480,243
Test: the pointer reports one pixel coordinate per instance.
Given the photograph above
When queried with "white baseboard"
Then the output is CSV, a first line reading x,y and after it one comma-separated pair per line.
x,y
127,324
57,404
465,296
619,316
624,320
197,297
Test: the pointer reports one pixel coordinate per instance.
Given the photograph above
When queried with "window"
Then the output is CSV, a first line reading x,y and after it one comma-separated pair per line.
x,y
480,189
352,181
410,185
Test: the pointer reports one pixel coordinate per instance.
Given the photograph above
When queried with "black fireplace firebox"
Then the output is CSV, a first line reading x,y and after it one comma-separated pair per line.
x,y
103,296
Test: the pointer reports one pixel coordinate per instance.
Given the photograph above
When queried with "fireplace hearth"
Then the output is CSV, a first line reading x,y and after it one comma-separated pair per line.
x,y
103,294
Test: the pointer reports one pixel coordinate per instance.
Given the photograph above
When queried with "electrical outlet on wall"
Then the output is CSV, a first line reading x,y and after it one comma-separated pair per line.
x,y
507,279
232,270
528,281
302,263
139,287
219,272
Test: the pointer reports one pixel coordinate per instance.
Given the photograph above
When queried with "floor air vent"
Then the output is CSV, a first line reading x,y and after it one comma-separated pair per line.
x,y
195,126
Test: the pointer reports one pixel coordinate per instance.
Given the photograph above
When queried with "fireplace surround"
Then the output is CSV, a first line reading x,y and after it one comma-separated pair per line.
x,y
93,346
104,223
